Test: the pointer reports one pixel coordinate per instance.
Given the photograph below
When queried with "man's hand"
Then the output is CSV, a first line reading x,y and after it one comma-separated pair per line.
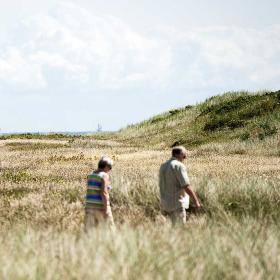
x,y
197,205
193,196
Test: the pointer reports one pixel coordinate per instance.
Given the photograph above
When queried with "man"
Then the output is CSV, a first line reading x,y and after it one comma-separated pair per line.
x,y
175,186
98,209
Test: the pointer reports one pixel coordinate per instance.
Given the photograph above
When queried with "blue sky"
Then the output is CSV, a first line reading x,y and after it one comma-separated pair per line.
x,y
69,65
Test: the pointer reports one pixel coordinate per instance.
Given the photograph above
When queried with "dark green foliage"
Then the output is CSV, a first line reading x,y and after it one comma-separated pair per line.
x,y
267,130
175,111
238,111
260,132
245,136
217,122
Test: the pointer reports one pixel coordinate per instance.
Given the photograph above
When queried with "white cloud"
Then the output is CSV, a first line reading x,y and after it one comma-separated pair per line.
x,y
224,57
72,48
18,72
76,48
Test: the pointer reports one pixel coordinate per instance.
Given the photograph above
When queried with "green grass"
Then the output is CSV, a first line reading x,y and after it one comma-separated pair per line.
x,y
14,146
239,111
51,136
234,115
22,176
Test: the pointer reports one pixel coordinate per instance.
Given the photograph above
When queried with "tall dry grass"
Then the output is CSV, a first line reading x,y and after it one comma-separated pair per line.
x,y
225,250
41,237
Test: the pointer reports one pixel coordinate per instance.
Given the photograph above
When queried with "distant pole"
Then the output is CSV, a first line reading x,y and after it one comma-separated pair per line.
x,y
99,128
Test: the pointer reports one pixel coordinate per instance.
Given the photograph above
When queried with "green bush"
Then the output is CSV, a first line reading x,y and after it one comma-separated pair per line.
x,y
267,130
238,111
245,136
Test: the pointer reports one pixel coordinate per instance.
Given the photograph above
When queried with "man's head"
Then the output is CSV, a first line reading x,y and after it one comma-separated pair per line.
x,y
105,164
179,152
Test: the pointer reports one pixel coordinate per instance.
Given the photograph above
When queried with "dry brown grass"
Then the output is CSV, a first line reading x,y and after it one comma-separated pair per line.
x,y
41,218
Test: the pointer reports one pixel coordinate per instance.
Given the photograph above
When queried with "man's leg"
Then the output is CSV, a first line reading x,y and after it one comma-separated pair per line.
x,y
178,216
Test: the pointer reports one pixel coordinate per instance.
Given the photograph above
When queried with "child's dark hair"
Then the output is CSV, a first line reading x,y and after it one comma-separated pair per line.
x,y
104,162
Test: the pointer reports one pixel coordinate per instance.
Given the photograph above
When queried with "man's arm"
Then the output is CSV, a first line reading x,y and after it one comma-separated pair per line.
x,y
193,196
183,178
104,192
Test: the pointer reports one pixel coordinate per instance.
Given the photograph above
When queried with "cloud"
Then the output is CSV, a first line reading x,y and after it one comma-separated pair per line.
x,y
69,47
225,57
72,49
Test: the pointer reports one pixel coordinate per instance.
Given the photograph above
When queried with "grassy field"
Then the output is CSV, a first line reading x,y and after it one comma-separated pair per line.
x,y
234,166
42,189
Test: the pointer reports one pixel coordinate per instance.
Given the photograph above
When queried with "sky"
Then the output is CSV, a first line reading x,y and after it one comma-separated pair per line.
x,y
71,65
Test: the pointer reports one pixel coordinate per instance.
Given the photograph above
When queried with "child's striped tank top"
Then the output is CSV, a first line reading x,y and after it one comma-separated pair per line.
x,y
93,197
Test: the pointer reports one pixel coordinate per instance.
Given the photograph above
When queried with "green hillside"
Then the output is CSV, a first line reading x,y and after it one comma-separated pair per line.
x,y
239,116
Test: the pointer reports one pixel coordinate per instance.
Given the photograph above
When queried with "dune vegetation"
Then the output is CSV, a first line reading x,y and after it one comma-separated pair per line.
x,y
233,164
245,116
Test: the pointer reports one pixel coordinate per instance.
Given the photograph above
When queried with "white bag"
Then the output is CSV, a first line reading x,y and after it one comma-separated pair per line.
x,y
185,201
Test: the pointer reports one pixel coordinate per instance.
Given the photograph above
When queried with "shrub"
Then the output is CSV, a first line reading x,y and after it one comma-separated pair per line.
x,y
245,136
238,111
267,130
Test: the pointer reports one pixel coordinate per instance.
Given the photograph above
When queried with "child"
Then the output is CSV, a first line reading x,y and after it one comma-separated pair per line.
x,y
98,209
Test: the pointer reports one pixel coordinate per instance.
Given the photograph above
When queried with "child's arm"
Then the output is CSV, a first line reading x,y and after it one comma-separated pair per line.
x,y
104,192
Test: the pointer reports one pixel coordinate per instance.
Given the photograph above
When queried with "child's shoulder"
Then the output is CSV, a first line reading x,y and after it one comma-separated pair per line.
x,y
103,174
100,174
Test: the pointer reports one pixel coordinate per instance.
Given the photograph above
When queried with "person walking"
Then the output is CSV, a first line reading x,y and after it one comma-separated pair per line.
x,y
97,202
175,187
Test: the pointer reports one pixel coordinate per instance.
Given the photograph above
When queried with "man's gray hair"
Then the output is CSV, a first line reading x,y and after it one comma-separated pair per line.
x,y
105,161
177,150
